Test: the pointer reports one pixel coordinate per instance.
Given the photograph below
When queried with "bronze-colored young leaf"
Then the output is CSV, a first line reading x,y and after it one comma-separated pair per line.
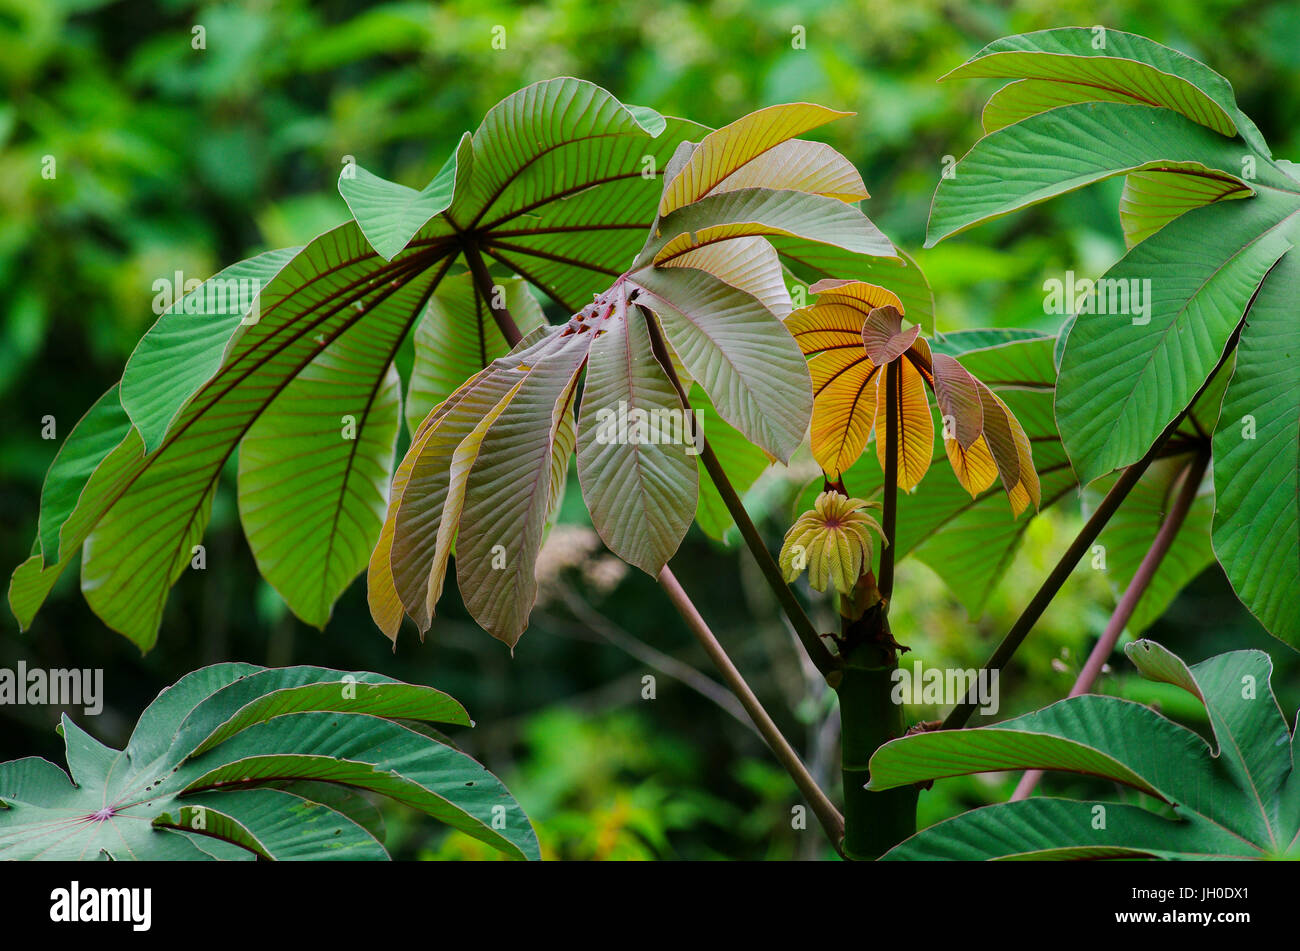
x,y
844,378
851,335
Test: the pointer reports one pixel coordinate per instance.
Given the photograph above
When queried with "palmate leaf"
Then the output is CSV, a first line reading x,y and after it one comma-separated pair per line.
x,y
192,333
968,540
291,353
454,339
1231,799
857,345
1206,270
157,504
238,761
705,297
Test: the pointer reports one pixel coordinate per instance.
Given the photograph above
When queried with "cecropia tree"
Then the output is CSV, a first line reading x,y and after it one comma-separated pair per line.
x,y
594,280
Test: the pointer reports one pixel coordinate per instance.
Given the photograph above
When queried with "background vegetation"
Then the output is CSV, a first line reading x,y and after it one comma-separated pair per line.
x,y
171,158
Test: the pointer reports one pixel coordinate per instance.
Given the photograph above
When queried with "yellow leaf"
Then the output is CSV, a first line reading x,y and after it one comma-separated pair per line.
x,y
827,327
856,294
845,381
973,466
798,165
845,385
722,153
915,426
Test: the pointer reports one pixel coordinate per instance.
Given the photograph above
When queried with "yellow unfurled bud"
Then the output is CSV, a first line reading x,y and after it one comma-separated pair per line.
x,y
833,541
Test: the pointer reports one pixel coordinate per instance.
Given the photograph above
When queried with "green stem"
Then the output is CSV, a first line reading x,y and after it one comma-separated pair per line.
x,y
874,822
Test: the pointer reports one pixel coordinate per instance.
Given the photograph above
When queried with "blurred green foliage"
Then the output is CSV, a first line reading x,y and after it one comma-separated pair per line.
x,y
169,158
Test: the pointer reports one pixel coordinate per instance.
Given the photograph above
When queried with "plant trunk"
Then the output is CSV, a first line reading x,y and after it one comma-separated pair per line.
x,y
874,822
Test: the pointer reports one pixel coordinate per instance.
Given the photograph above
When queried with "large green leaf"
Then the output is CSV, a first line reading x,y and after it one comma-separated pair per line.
x,y
185,348
328,312
226,763
173,359
96,434
1045,829
1076,64
1207,269
1228,800
1124,380
1073,146
313,475
1256,448
558,185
